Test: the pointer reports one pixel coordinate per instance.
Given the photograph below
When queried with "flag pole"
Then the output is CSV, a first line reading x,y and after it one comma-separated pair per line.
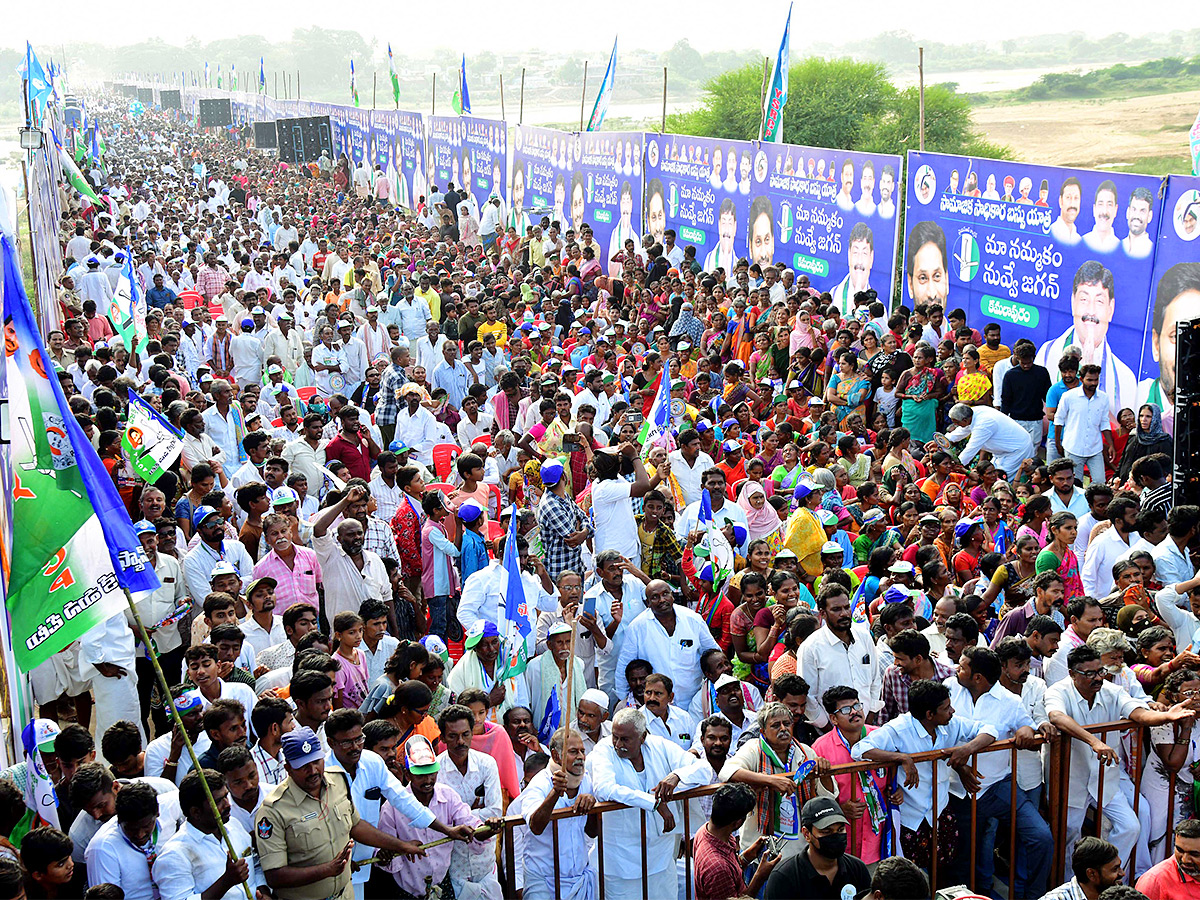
x,y
921,97
521,107
374,89
152,652
664,115
433,97
501,95
570,678
583,95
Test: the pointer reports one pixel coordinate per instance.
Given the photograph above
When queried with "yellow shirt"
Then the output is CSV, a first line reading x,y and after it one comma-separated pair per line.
x,y
498,328
434,299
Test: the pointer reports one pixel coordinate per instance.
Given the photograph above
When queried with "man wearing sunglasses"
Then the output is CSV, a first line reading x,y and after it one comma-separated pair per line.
x,y
1084,699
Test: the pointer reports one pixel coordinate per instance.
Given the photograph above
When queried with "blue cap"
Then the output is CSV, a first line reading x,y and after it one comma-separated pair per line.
x,y
702,426
478,632
301,746
803,489
144,526
203,512
552,472
739,533
729,423
731,447
470,511
399,447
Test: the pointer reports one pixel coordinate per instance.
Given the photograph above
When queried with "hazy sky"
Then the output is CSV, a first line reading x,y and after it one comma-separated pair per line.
x,y
708,24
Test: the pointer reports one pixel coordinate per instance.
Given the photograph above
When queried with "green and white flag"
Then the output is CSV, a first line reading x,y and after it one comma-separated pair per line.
x,y
151,443
75,177
66,512
127,310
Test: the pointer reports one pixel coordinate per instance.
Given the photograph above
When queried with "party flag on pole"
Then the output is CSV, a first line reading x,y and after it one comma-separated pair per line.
x,y
151,443
353,84
461,101
606,86
127,309
65,506
516,609
395,78
777,89
262,76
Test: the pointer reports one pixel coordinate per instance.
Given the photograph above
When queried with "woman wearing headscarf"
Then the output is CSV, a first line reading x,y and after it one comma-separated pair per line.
x,y
1147,439
827,482
761,519
688,325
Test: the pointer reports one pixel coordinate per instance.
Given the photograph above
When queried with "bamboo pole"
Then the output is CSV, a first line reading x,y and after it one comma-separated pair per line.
x,y
433,102
501,95
374,89
583,95
664,114
521,108
921,97
567,708
152,652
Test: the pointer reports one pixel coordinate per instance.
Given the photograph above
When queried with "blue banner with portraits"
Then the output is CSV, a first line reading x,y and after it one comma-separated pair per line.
x,y
407,159
828,214
700,188
358,135
606,190
1059,256
1175,292
541,176
469,152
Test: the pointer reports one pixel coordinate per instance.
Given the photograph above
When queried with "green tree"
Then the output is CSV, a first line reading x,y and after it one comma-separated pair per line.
x,y
684,61
948,126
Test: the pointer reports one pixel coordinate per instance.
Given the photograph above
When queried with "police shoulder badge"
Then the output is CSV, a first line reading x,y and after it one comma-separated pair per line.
x,y
264,828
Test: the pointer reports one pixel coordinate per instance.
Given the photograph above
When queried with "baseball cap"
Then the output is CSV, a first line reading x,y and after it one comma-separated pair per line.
x,y
188,701
302,746
478,631
821,812
827,517
559,628
470,511
223,567
873,515
724,681
731,447
258,582
44,733
831,547
900,567
283,496
419,757
203,513
552,472
144,526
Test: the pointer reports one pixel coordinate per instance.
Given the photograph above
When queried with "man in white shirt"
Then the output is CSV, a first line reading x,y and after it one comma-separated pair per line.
x,y
839,653
416,428
688,465
619,595
195,860
724,510
612,511
663,717
671,638
475,777
930,724
1108,547
629,768
349,573
976,693
107,657
483,595
1083,433
1087,698
1172,560
118,852
991,430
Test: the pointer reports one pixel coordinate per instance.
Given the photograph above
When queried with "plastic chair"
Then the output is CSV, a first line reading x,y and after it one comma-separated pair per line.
x,y
860,571
485,439
443,456
498,496
306,393
439,486
494,530
735,488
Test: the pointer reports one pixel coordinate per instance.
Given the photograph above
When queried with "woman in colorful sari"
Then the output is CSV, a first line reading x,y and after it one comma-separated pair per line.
x,y
919,390
771,455
848,388
831,499
1059,556
803,334
786,475
973,386
761,358
804,535
736,390
761,519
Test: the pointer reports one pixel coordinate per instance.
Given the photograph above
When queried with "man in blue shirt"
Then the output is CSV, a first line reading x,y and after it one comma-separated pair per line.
x,y
473,550
159,296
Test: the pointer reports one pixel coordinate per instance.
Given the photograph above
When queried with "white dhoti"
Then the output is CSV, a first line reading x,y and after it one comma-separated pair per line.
x,y
116,699
581,887
659,885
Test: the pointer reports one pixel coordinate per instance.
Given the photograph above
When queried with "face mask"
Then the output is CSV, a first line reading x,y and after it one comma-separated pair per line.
x,y
832,846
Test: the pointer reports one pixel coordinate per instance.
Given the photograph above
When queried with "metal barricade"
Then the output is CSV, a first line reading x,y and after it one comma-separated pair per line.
x,y
1057,788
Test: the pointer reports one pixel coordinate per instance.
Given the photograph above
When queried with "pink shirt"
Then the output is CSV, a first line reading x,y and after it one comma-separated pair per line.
x,y
449,808
833,747
295,584
351,681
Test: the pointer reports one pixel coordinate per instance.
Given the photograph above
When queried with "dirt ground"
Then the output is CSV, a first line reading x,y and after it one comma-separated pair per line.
x,y
1092,133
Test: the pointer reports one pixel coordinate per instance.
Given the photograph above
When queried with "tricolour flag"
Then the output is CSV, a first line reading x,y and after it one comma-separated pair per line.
x,y
262,76
127,309
353,84
657,427
516,628
73,174
461,101
65,506
395,78
38,788
606,86
206,77
777,89
151,443
233,77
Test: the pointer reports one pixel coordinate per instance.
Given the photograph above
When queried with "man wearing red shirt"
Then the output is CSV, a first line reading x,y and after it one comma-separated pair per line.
x,y
717,863
353,445
1178,876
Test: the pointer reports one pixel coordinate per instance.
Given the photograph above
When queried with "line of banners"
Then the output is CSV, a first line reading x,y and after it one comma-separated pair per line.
x,y
1061,256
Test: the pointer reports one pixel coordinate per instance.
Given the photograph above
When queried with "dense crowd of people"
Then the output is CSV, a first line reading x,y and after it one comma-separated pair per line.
x,y
858,538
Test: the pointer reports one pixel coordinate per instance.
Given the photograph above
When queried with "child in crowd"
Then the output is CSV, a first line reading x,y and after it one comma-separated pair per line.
x,y
350,686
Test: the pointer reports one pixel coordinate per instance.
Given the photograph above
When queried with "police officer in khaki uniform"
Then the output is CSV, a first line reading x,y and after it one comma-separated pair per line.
x,y
307,825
